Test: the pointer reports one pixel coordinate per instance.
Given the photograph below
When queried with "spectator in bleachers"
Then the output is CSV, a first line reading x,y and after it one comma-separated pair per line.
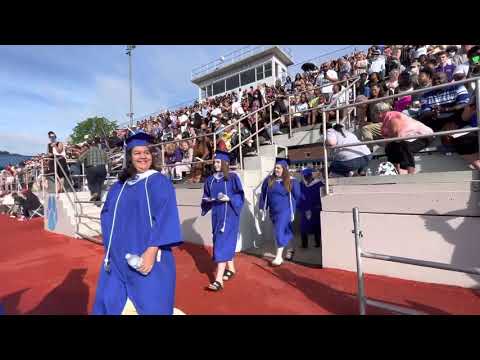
x,y
377,64
444,65
372,130
95,160
442,106
467,144
404,85
349,161
361,64
392,82
397,124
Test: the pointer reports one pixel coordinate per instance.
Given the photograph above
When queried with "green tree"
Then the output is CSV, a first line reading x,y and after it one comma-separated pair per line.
x,y
91,128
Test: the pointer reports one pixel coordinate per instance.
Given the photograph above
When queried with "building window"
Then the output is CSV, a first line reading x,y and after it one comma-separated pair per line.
x,y
247,77
268,69
307,154
259,72
233,82
204,93
209,90
218,87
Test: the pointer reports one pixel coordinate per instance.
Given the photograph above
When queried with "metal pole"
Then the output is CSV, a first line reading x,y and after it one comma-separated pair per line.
x,y
325,153
358,253
214,141
163,156
289,119
42,180
240,146
55,173
256,131
477,95
83,176
355,98
129,52
271,124
337,113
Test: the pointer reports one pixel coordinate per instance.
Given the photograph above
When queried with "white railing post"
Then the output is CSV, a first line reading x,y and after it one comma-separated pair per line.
x,y
289,118
240,146
355,98
477,96
256,131
337,112
325,153
55,174
358,252
214,141
271,124
42,180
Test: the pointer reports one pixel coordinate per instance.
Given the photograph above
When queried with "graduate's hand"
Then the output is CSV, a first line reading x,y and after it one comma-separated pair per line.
x,y
224,198
149,257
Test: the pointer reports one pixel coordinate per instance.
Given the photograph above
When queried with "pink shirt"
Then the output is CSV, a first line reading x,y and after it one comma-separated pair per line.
x,y
397,124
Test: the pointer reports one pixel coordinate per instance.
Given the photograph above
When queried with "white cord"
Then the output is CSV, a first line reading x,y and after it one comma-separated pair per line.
x,y
226,208
113,226
148,203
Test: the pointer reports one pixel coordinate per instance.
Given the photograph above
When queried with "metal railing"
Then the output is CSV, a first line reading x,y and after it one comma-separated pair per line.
x,y
360,253
233,57
385,98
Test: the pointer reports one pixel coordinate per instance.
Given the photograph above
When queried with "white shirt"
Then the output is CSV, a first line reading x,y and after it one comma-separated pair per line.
x,y
332,74
217,111
347,153
377,65
237,108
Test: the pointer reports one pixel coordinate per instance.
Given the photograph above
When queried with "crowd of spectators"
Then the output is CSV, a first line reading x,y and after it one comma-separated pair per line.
x,y
383,70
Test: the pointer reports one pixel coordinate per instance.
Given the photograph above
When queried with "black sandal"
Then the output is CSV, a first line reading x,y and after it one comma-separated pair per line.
x,y
215,286
227,275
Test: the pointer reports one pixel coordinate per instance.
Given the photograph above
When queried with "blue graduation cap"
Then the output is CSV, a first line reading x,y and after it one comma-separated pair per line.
x,y
222,155
307,172
139,139
282,161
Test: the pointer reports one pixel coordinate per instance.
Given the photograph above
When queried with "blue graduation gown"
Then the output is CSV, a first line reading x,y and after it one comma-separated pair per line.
x,y
133,233
310,201
282,206
225,215
2,312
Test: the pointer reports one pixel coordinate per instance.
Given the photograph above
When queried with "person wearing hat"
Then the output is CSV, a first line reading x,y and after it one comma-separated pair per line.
x,y
223,195
281,195
139,217
310,207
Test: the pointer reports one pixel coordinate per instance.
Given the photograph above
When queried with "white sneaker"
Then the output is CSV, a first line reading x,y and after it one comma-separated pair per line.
x,y
277,261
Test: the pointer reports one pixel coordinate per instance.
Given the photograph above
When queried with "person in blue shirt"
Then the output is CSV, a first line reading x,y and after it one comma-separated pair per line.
x,y
140,216
280,195
310,207
223,195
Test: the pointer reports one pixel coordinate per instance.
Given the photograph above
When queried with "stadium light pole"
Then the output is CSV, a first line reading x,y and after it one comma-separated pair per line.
x,y
129,53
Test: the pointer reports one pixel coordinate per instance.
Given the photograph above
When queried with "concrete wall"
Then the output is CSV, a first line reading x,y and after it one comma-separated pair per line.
x,y
427,220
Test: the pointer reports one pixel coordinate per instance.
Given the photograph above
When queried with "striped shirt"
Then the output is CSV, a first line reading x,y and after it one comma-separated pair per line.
x,y
450,96
93,157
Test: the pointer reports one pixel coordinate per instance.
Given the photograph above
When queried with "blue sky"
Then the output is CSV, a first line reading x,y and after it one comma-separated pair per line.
x,y
46,88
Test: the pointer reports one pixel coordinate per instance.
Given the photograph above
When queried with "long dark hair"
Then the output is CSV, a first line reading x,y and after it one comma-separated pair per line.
x,y
337,128
285,177
129,172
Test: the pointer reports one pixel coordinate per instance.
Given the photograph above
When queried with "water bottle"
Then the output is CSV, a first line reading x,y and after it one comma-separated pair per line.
x,y
134,261
369,172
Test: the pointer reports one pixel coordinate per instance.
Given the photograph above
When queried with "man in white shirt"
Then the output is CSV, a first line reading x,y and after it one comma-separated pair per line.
x,y
327,76
237,108
377,64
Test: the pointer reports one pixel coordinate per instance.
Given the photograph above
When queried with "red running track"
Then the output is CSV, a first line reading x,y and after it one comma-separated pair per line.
x,y
45,273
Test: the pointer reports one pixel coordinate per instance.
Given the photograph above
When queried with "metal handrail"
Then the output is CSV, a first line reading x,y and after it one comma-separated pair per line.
x,y
56,162
388,140
360,253
439,133
406,93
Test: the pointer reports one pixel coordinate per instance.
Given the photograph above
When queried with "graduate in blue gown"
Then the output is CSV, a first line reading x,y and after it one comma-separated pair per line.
x,y
310,207
139,217
223,195
280,195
